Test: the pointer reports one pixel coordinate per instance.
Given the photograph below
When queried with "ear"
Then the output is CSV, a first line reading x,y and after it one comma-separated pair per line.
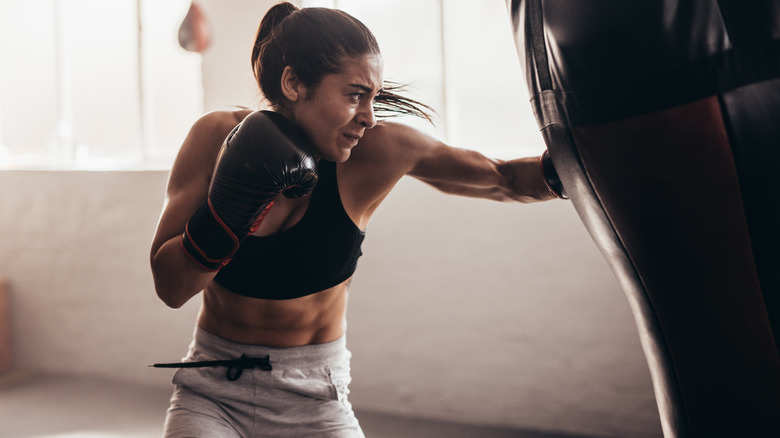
x,y
292,88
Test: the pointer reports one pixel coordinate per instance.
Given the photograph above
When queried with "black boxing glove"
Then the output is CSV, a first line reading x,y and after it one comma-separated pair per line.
x,y
551,177
263,156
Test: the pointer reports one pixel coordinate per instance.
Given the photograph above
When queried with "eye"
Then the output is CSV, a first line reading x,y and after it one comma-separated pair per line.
x,y
356,97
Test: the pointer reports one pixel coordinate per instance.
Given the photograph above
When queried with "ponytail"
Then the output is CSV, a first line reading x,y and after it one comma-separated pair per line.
x,y
267,58
390,103
272,18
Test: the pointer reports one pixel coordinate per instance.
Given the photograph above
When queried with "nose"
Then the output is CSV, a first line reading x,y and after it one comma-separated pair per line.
x,y
366,116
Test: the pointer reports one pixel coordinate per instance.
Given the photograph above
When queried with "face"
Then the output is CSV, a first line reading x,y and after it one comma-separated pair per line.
x,y
336,113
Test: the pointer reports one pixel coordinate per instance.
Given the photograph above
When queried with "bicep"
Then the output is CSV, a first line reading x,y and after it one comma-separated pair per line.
x,y
176,279
188,181
449,169
455,170
178,207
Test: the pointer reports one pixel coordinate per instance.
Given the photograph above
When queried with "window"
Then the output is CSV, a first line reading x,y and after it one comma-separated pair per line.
x,y
95,84
82,88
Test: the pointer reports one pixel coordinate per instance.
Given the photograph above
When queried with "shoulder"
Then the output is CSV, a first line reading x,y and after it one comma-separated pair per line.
x,y
396,133
200,148
380,159
218,123
209,131
398,143
386,153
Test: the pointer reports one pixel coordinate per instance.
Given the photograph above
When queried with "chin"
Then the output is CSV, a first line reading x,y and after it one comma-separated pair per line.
x,y
344,156
337,156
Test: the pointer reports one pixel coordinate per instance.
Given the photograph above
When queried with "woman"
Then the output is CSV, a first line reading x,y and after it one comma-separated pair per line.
x,y
274,303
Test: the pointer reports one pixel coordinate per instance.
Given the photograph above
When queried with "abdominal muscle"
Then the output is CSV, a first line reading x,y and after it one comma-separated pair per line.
x,y
314,319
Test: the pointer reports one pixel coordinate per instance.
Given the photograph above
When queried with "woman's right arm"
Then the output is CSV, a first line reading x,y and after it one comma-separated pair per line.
x,y
176,277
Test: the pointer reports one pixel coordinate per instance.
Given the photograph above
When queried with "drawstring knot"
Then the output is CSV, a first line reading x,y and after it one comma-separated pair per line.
x,y
247,363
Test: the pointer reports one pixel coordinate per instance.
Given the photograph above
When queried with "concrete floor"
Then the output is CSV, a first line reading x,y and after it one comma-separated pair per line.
x,y
44,406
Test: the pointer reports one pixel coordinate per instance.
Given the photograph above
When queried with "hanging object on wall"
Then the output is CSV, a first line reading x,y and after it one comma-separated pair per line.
x,y
195,30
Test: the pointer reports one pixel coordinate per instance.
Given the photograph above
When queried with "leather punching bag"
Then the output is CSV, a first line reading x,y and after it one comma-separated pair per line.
x,y
195,30
662,118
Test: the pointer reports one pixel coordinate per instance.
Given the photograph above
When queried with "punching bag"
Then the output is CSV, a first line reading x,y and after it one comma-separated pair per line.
x,y
662,118
195,30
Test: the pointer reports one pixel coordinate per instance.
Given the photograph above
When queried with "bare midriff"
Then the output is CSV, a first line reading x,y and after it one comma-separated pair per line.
x,y
313,319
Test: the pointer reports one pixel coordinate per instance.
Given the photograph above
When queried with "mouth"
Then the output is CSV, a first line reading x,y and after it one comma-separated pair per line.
x,y
354,138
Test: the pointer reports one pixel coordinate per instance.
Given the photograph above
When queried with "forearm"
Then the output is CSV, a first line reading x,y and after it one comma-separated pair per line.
x,y
519,180
493,193
176,277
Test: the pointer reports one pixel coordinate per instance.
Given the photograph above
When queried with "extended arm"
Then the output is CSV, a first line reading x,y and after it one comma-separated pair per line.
x,y
468,173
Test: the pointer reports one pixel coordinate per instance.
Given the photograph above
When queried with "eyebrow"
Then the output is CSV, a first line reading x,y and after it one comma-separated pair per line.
x,y
364,88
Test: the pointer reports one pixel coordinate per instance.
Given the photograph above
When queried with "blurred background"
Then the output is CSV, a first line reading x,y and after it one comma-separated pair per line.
x,y
462,311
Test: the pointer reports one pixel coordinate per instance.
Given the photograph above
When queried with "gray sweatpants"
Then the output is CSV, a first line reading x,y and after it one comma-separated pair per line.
x,y
304,395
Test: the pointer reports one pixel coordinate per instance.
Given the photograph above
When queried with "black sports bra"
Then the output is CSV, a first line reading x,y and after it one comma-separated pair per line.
x,y
317,253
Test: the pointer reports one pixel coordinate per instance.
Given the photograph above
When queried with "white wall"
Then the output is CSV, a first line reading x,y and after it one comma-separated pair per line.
x,y
461,309
500,313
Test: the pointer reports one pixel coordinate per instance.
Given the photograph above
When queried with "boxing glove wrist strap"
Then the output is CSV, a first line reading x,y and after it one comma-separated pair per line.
x,y
207,240
551,178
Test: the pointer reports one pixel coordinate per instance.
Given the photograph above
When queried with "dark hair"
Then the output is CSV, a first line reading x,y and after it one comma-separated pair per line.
x,y
315,42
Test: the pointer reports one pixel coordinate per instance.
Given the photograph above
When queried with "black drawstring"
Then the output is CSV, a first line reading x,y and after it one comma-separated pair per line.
x,y
235,366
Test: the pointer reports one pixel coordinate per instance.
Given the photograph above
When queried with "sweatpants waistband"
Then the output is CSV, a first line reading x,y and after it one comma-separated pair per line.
x,y
281,358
